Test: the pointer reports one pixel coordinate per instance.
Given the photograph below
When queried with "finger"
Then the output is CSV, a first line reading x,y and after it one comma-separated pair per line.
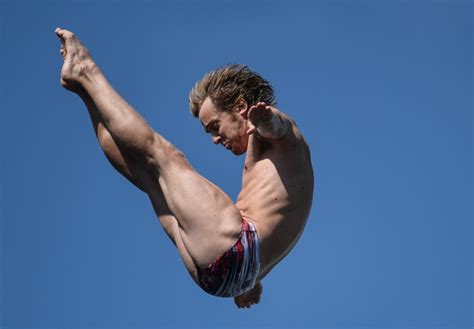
x,y
252,108
264,105
237,302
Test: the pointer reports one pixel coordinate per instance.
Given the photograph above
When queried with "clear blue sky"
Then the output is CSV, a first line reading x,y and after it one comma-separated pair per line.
x,y
381,90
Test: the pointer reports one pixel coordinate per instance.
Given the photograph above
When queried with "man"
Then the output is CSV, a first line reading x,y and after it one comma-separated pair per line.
x,y
227,248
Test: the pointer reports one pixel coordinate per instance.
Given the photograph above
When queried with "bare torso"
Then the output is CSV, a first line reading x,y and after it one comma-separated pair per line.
x,y
277,192
200,218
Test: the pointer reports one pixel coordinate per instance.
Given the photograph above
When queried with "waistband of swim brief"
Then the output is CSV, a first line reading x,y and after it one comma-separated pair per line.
x,y
247,225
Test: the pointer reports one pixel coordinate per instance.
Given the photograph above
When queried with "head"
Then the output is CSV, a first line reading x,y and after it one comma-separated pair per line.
x,y
221,100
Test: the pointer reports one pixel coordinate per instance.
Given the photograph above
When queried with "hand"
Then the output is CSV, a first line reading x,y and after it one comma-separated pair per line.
x,y
258,114
250,297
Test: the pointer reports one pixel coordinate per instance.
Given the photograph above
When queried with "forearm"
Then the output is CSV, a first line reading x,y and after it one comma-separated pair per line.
x,y
126,126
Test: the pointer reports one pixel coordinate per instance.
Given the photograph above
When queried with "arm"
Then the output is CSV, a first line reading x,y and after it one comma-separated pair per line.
x,y
266,121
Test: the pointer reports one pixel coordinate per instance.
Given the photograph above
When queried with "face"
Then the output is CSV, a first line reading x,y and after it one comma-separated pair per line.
x,y
227,128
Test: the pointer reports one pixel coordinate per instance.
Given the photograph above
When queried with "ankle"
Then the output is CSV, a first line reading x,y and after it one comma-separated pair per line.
x,y
90,74
89,71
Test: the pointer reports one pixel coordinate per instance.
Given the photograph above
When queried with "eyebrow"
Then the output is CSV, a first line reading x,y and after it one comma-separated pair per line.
x,y
206,127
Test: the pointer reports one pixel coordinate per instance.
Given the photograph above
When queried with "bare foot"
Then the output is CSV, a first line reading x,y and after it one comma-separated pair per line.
x,y
78,64
250,297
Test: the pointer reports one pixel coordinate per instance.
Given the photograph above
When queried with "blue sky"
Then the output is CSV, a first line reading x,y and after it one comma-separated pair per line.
x,y
381,90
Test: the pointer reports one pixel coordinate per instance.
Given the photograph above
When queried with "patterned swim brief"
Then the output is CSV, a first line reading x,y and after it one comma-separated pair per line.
x,y
235,272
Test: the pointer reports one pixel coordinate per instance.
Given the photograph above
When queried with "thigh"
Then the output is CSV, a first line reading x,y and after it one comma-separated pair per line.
x,y
171,227
209,221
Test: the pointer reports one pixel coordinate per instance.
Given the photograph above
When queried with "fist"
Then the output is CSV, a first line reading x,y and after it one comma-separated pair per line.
x,y
258,114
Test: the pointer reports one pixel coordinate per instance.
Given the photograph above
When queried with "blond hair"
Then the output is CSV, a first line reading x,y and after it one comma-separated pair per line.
x,y
227,85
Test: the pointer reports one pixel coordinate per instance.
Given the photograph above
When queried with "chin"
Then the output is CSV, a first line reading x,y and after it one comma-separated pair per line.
x,y
238,152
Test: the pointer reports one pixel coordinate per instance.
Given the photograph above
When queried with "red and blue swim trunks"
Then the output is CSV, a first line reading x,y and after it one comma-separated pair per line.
x,y
235,272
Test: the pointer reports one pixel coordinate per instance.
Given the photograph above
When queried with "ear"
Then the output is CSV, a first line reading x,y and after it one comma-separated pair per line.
x,y
242,108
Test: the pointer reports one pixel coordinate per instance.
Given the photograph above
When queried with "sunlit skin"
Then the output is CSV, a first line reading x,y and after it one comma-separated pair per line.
x,y
227,128
200,219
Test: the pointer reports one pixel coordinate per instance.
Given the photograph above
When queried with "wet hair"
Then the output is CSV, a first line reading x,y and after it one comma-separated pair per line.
x,y
227,85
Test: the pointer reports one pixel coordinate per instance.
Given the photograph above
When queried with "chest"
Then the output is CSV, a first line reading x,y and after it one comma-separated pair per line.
x,y
263,155
270,164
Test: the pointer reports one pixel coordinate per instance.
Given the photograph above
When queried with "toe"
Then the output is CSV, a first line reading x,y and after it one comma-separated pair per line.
x,y
60,32
64,34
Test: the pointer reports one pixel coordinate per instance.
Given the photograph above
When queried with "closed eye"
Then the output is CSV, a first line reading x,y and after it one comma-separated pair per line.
x,y
212,127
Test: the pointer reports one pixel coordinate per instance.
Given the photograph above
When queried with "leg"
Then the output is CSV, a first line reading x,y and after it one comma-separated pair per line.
x,y
202,209
118,157
141,178
137,172
209,221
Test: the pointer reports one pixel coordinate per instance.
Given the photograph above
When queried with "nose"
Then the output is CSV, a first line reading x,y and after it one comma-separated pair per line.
x,y
216,139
